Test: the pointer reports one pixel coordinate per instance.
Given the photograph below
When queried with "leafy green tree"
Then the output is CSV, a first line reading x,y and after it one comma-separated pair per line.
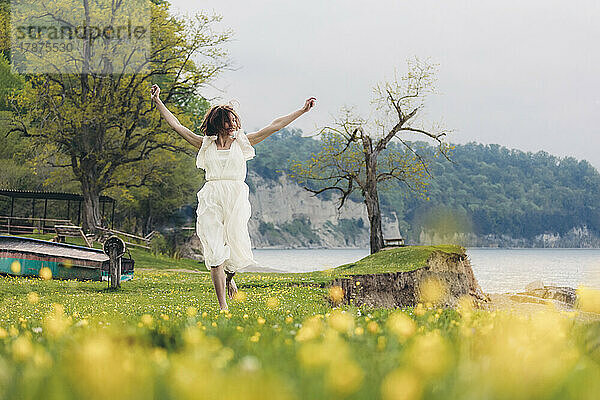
x,y
100,126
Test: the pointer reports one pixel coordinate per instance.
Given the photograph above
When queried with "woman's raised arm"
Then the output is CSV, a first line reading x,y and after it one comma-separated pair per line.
x,y
279,123
191,137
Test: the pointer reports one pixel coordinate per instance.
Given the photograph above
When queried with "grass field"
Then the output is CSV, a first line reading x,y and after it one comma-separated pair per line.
x,y
161,336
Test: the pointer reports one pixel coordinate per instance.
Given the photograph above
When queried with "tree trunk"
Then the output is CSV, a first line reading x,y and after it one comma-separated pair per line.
x,y
148,221
374,213
91,206
372,201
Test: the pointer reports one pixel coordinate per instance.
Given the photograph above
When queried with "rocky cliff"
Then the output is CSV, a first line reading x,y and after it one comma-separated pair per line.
x,y
284,215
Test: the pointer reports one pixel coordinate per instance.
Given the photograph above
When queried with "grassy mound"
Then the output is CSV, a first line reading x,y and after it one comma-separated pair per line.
x,y
399,259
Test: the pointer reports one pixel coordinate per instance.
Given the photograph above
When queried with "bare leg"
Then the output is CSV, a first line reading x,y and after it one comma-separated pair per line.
x,y
231,287
218,277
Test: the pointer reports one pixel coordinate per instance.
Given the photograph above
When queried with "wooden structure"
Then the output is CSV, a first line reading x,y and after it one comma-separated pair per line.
x,y
391,243
130,239
63,231
114,247
20,225
12,224
24,256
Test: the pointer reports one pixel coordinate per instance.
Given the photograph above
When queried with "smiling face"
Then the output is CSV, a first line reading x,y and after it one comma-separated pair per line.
x,y
228,126
220,120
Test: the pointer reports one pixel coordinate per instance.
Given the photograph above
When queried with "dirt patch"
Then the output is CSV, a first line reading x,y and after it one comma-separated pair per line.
x,y
399,289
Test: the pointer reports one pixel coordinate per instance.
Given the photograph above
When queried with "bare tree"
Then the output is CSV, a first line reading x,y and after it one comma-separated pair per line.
x,y
353,151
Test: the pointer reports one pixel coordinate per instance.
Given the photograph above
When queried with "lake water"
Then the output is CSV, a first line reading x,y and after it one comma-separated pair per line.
x,y
496,270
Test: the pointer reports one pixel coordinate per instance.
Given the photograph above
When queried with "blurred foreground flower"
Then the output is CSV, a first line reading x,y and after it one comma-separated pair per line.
x,y
429,354
345,377
240,296
45,273
336,294
401,384
588,299
520,356
432,290
15,267
401,325
22,348
311,328
32,297
56,323
341,321
272,303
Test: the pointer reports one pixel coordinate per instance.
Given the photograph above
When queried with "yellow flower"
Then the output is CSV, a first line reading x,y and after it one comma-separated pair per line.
x,y
345,377
255,338
401,325
261,320
588,299
372,327
311,328
432,290
419,310
401,385
15,267
147,319
336,294
341,321
33,297
22,348
55,322
429,354
240,296
191,312
272,303
45,273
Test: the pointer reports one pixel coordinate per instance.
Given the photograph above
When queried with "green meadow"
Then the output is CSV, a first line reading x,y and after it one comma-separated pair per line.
x,y
161,336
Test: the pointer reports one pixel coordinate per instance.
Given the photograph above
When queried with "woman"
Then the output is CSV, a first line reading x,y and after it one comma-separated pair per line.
x,y
223,206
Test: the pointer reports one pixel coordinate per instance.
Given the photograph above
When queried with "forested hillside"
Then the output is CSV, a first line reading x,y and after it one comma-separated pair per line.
x,y
486,189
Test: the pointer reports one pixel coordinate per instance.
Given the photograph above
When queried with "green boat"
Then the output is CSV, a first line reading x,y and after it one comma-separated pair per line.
x,y
22,256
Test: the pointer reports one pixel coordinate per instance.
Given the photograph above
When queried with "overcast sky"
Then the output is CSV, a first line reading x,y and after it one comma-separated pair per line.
x,y
523,74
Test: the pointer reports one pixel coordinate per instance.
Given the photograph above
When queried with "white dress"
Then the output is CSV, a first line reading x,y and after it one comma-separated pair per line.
x,y
223,205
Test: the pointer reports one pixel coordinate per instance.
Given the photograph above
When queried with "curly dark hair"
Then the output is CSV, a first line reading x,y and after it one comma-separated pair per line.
x,y
215,118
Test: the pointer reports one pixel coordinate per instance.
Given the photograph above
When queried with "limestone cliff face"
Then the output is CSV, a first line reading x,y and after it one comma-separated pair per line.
x,y
284,215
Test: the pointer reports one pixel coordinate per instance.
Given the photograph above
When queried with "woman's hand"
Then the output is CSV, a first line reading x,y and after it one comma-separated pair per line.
x,y
309,104
154,92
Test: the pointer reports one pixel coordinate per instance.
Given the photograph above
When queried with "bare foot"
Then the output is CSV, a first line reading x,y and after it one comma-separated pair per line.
x,y
231,288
